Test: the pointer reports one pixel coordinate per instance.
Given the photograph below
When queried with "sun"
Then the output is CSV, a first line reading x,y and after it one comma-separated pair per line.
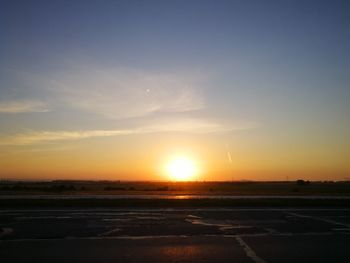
x,y
181,169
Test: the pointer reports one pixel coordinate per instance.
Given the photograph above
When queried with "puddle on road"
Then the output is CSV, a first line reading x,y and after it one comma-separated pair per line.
x,y
227,226
223,226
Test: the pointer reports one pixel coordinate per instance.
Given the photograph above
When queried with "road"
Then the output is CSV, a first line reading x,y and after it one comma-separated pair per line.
x,y
175,235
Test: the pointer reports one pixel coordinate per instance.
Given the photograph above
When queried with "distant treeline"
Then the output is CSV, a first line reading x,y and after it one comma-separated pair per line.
x,y
61,188
231,188
52,188
163,188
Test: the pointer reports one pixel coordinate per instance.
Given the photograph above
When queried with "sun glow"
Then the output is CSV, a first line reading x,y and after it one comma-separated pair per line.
x,y
181,169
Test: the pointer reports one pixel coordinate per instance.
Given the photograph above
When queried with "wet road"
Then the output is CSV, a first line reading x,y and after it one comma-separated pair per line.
x,y
175,235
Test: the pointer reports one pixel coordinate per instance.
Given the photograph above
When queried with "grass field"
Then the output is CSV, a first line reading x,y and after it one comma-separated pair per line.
x,y
299,187
287,193
168,203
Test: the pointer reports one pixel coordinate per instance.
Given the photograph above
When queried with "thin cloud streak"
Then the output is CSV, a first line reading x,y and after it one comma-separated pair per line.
x,y
118,93
22,106
110,92
36,137
190,126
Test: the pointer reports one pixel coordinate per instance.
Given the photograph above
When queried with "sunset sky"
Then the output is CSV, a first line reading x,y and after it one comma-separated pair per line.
x,y
254,90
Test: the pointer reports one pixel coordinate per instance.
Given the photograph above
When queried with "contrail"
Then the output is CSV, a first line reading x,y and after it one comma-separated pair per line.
x,y
229,157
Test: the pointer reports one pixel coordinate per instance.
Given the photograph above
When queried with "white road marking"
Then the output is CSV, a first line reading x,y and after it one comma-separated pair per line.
x,y
272,231
222,226
330,221
42,217
341,229
193,216
249,251
116,219
112,231
208,223
150,217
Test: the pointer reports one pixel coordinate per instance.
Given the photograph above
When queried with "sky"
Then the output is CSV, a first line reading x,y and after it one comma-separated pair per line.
x,y
248,90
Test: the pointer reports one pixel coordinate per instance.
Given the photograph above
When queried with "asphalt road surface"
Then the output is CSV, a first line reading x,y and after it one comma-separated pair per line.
x,y
175,235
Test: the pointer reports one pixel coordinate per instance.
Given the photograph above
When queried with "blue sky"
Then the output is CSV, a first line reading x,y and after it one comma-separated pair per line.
x,y
277,70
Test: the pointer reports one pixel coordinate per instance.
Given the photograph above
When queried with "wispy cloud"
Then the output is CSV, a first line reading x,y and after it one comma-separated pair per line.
x,y
111,92
21,106
35,137
121,93
192,126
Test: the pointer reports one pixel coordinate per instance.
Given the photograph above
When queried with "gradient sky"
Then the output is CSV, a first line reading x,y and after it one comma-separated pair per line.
x,y
256,90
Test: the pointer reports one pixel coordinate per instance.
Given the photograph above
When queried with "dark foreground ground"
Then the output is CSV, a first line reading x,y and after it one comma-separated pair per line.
x,y
183,235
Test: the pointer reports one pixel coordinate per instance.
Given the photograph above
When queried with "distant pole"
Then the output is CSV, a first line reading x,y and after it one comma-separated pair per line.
x,y
229,159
